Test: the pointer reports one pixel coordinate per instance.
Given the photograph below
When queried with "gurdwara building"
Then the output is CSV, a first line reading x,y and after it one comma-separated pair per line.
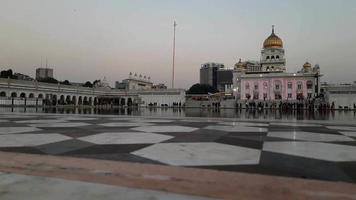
x,y
268,80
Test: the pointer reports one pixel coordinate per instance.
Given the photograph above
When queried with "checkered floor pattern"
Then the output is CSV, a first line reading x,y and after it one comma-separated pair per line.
x,y
315,150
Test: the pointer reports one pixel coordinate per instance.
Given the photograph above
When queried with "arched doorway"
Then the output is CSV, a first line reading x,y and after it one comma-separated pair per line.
x,y
61,100
54,100
68,101
85,101
90,101
122,102
74,100
80,100
129,102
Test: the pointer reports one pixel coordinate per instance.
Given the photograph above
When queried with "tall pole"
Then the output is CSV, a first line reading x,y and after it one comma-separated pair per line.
x,y
174,51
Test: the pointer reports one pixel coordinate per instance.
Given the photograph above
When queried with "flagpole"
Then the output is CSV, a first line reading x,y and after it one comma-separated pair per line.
x,y
174,51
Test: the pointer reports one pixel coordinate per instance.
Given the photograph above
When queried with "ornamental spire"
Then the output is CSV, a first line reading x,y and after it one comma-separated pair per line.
x,y
272,29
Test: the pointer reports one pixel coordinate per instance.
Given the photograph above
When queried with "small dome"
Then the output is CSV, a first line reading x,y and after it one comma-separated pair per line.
x,y
273,41
239,65
307,65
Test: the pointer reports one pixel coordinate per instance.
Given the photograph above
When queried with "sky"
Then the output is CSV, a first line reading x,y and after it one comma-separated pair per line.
x,y
92,39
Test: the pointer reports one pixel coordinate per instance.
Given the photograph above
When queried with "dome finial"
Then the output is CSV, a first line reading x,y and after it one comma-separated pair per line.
x,y
272,29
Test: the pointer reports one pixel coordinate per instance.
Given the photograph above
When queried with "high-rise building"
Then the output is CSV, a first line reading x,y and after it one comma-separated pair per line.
x,y
208,73
44,73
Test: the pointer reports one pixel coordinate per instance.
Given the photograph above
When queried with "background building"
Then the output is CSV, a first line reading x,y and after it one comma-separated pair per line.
x,y
44,73
224,80
135,82
208,73
342,96
268,79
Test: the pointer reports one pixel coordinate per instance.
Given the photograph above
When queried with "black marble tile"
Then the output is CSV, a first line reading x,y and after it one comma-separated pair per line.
x,y
108,149
240,142
127,157
303,167
29,150
63,146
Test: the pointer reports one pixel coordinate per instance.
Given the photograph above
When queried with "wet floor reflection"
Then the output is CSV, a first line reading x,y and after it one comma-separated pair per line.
x,y
195,112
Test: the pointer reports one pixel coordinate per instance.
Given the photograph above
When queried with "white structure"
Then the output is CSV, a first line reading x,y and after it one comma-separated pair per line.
x,y
19,92
43,73
268,79
135,82
169,97
342,96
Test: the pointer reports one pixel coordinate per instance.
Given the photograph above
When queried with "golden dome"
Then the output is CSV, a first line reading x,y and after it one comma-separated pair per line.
x,y
273,41
307,65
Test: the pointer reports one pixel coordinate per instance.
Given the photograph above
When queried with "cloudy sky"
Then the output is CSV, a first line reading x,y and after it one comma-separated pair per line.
x,y
89,39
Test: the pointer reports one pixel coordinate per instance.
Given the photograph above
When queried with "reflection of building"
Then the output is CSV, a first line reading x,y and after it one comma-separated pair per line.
x,y
343,96
268,79
43,73
135,82
208,74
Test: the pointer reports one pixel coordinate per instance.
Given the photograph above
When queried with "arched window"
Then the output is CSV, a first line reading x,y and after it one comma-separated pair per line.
x,y
267,57
2,94
309,84
277,57
31,95
272,57
299,85
23,95
256,86
14,94
267,68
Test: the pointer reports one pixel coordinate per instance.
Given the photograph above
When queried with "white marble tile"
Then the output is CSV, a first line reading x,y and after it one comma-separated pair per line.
x,y
125,138
236,128
316,150
243,124
40,121
11,130
297,124
77,118
16,187
348,133
61,125
165,129
200,154
308,136
125,124
15,116
153,120
21,140
344,128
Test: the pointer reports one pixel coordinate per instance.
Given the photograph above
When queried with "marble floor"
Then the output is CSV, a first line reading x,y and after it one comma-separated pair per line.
x,y
324,150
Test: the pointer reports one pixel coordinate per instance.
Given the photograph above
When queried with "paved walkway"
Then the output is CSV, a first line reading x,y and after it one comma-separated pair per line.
x,y
324,150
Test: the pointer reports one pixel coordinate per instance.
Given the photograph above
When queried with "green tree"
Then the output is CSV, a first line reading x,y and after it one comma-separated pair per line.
x,y
6,73
201,89
66,82
88,84
48,80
